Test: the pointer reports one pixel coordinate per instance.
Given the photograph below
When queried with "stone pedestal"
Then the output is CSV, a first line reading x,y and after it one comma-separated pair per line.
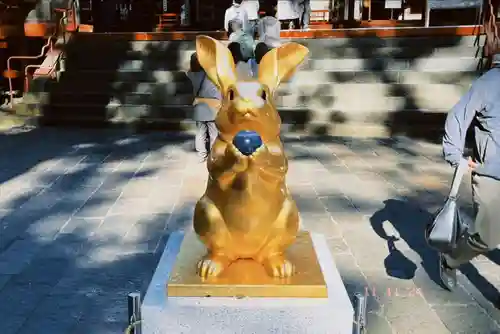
x,y
246,313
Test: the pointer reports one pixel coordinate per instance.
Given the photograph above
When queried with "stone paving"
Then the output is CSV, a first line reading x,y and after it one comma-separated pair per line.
x,y
85,216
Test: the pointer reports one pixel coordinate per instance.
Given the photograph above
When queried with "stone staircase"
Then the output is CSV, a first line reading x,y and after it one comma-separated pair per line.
x,y
360,86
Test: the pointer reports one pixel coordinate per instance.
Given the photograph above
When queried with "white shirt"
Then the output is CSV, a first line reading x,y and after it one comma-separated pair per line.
x,y
236,13
252,8
288,9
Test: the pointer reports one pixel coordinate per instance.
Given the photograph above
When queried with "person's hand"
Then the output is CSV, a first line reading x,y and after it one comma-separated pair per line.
x,y
472,164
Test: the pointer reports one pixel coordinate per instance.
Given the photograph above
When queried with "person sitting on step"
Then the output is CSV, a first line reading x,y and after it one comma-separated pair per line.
x,y
242,58
269,29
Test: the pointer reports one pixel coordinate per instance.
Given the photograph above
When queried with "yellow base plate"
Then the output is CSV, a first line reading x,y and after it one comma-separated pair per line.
x,y
247,278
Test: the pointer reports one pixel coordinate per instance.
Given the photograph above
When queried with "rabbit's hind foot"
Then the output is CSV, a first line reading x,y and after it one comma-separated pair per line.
x,y
278,266
212,265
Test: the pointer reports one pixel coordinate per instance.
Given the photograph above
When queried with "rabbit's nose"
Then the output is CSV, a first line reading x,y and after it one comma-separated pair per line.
x,y
244,107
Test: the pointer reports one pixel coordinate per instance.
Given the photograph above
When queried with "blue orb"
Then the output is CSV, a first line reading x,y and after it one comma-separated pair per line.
x,y
247,142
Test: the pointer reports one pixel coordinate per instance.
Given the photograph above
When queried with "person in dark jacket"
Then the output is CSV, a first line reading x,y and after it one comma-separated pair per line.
x,y
480,106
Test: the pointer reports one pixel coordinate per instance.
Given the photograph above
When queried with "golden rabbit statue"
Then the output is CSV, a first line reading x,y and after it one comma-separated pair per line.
x,y
247,211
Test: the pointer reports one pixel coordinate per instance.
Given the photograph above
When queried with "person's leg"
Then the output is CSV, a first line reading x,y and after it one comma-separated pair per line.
x,y
213,132
306,15
482,236
260,50
252,29
235,49
200,140
300,20
284,24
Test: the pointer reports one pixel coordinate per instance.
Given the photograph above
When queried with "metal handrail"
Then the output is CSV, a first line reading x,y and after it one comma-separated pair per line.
x,y
43,52
26,74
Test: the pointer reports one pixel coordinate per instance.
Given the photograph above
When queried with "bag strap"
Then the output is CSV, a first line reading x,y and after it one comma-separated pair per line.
x,y
201,85
457,178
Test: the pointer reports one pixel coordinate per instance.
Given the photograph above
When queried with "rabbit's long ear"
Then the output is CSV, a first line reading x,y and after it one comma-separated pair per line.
x,y
280,63
217,61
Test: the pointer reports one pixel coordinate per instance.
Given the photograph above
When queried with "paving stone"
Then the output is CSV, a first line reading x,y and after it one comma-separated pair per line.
x,y
149,232
352,275
320,223
13,323
60,322
143,206
308,203
14,198
182,217
18,301
3,280
376,323
80,279
98,205
80,227
41,201
17,256
466,319
116,226
338,205
403,305
328,184
46,228
116,181
437,296
338,245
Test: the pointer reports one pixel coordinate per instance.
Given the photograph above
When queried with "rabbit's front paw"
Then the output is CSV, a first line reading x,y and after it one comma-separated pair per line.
x,y
240,161
278,266
261,156
212,265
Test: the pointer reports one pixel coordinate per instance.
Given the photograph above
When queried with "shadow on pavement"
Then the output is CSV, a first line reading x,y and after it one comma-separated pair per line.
x,y
396,264
409,223
67,258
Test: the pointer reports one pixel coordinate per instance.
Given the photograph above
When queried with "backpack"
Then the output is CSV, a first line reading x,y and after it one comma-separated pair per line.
x,y
246,43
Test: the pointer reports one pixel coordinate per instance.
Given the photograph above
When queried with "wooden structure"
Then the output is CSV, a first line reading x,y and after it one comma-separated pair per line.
x,y
23,35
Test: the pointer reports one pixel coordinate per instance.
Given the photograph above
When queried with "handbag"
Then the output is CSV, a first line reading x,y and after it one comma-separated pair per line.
x,y
443,232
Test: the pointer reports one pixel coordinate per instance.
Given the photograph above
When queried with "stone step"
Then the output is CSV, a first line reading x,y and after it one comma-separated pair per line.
x,y
163,55
181,113
372,62
430,124
116,112
84,80
428,64
162,51
343,97
434,41
297,116
397,50
300,82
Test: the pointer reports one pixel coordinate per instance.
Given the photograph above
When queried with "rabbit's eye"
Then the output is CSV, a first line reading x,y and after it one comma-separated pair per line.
x,y
263,95
230,95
